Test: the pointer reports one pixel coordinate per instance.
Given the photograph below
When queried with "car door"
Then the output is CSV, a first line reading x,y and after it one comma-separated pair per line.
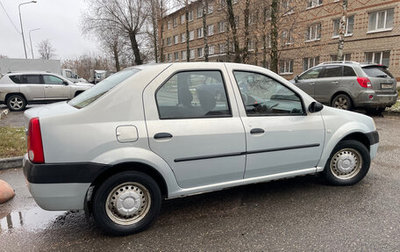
x,y
307,80
328,83
193,124
281,137
55,88
31,86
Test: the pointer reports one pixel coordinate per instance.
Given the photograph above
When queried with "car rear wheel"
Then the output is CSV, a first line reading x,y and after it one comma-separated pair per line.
x,y
348,163
342,101
16,102
126,203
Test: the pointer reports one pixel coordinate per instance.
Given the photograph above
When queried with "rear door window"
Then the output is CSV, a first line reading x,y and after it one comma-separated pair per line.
x,y
50,79
348,71
15,78
30,79
331,71
377,71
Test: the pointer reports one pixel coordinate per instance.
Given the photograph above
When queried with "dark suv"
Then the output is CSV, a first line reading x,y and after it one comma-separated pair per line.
x,y
348,85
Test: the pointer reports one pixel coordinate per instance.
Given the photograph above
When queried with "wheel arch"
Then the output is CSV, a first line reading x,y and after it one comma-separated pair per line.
x,y
339,93
15,93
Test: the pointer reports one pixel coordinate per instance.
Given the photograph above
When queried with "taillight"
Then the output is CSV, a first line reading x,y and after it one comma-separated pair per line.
x,y
35,146
364,82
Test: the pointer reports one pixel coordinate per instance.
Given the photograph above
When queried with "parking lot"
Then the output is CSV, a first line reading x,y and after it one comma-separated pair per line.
x,y
299,214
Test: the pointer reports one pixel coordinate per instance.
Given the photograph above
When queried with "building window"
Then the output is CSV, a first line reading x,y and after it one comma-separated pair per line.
x,y
222,4
378,57
221,48
190,14
183,18
237,22
267,41
221,27
200,52
287,7
169,41
210,30
380,20
267,14
175,22
310,62
287,37
314,32
169,25
286,66
183,55
313,3
191,35
183,37
169,57
210,9
176,56
191,53
349,26
211,50
176,39
251,45
200,32
199,12
346,57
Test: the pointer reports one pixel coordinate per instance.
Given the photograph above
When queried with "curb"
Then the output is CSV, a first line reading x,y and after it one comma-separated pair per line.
x,y
9,163
3,113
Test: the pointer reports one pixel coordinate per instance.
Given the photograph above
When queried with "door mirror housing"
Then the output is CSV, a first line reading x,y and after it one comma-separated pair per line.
x,y
296,79
315,107
65,83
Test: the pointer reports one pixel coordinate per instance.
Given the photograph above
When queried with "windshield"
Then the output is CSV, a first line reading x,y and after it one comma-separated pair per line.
x,y
101,88
377,71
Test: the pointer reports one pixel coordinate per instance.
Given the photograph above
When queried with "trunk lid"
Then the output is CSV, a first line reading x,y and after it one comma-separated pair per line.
x,y
382,81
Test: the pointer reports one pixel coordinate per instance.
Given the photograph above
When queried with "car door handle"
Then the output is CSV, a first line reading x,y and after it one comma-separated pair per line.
x,y
256,131
162,135
335,82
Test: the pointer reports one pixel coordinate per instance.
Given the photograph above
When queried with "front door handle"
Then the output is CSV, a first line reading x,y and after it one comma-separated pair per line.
x,y
256,131
162,135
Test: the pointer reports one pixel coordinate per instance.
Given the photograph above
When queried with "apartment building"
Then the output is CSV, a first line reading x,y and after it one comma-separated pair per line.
x,y
308,33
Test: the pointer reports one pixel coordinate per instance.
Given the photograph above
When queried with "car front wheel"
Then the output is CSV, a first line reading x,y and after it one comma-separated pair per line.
x,y
348,163
126,203
341,101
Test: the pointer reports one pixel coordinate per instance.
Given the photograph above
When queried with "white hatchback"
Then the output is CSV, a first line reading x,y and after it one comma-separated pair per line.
x,y
164,131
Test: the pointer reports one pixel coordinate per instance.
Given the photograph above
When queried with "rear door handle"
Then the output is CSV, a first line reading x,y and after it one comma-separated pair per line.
x,y
335,82
162,135
256,131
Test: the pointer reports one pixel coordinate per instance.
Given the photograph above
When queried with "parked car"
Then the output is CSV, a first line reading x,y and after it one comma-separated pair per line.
x,y
348,85
22,88
165,131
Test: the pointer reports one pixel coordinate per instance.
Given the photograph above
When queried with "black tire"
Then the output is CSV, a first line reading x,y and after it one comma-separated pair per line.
x,y
342,101
348,164
16,102
126,189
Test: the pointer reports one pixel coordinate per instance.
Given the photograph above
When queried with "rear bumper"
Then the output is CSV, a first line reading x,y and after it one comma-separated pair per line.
x,y
377,100
60,186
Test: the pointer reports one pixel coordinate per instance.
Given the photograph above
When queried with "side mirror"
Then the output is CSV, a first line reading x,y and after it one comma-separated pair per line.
x,y
315,107
65,83
296,79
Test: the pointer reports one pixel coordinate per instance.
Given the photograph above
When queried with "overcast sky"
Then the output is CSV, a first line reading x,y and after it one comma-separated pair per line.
x,y
58,20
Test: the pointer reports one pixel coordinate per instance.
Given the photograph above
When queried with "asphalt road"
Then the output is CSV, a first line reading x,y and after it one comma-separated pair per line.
x,y
300,214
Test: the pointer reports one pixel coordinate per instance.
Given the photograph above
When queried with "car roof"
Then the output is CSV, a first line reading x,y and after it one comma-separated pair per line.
x,y
30,72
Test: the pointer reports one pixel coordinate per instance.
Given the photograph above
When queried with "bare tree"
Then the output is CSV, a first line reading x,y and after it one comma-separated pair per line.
x,y
204,6
46,49
342,30
233,28
126,16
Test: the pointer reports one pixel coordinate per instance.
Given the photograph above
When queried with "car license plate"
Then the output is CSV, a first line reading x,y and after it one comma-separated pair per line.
x,y
386,86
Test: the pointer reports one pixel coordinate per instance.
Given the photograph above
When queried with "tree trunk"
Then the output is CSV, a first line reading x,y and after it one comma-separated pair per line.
x,y
187,30
205,30
342,31
264,38
135,48
231,20
155,29
246,12
274,36
116,56
161,25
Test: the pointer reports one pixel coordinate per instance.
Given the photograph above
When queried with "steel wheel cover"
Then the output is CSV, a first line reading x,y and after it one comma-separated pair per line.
x,y
346,163
128,203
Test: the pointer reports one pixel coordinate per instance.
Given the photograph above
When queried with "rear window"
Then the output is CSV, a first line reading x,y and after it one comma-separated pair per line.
x,y
101,88
377,71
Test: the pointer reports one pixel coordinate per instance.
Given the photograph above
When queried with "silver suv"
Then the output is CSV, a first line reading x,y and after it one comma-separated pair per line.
x,y
19,89
348,85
